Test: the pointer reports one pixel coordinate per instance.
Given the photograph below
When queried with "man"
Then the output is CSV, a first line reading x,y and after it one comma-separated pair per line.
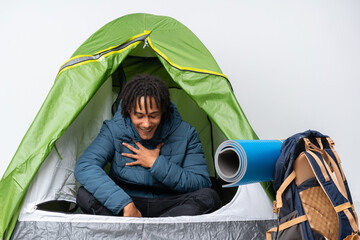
x,y
157,162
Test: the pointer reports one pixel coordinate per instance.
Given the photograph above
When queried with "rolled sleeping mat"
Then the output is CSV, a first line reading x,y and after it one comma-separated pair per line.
x,y
240,162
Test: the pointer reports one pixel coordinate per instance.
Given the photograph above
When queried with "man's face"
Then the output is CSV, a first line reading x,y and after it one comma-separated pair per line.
x,y
146,123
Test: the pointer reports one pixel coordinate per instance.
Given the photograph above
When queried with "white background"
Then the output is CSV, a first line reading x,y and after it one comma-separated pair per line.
x,y
294,65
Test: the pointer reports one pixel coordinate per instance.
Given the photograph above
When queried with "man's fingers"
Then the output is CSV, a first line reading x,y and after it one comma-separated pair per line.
x,y
138,144
143,156
129,147
130,155
132,163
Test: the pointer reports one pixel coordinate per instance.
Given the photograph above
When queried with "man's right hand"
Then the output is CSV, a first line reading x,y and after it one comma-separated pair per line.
x,y
130,210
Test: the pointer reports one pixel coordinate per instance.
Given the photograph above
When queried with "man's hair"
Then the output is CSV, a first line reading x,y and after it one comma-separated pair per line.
x,y
144,85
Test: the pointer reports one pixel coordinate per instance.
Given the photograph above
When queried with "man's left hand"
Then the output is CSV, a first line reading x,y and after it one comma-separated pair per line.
x,y
143,156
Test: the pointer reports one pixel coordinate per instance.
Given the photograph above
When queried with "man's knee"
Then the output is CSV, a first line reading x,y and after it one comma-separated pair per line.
x,y
89,204
209,199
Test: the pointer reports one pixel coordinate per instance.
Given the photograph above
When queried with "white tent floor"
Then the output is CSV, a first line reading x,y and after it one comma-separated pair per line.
x,y
248,216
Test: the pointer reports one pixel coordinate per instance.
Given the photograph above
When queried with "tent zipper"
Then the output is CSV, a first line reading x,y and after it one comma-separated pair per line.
x,y
82,59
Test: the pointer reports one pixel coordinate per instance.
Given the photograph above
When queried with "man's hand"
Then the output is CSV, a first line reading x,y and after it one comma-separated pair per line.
x,y
143,156
130,210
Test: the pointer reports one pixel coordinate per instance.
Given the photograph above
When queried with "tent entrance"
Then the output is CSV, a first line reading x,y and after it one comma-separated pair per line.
x,y
144,60
86,126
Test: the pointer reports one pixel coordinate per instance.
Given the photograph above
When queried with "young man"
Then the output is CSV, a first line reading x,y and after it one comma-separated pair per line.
x,y
157,162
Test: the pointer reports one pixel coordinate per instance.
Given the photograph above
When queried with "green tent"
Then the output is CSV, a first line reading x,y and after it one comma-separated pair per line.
x,y
136,43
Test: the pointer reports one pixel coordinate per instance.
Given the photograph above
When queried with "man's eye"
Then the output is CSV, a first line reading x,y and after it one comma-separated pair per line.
x,y
153,116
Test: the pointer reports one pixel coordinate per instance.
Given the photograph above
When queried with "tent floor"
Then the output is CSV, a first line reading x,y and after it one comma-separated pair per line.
x,y
89,227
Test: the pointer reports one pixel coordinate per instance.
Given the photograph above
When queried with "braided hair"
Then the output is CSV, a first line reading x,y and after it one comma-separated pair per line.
x,y
144,85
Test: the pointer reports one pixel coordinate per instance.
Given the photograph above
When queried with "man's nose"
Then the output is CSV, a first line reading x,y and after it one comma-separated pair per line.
x,y
146,122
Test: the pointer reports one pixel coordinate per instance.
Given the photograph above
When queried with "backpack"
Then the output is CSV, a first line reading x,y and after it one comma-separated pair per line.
x,y
313,200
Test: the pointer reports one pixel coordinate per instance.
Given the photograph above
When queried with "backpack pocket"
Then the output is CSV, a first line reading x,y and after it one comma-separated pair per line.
x,y
294,232
322,218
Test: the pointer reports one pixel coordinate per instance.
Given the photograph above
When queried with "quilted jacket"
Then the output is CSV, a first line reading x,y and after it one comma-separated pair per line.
x,y
181,166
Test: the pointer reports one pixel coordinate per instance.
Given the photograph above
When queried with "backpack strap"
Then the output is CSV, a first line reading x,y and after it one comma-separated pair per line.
x,y
331,145
353,236
309,148
328,161
286,225
338,179
340,174
278,202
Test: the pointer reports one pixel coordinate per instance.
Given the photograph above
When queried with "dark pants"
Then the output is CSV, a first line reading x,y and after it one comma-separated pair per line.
x,y
202,201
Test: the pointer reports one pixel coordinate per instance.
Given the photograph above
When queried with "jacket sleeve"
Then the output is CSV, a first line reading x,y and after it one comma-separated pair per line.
x,y
191,175
89,172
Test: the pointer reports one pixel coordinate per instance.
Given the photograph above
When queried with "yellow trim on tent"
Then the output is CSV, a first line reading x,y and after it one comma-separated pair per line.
x,y
179,67
105,55
146,32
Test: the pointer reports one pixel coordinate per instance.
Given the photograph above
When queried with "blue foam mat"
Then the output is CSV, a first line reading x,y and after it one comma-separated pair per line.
x,y
241,162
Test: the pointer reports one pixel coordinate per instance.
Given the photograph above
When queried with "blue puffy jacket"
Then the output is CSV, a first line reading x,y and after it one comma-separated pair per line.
x,y
180,167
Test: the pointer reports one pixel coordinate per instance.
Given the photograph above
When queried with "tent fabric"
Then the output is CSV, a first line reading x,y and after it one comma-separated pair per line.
x,y
60,130
235,220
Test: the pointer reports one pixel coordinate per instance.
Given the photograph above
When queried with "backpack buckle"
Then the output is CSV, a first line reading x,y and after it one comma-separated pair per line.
x,y
275,208
307,142
330,141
